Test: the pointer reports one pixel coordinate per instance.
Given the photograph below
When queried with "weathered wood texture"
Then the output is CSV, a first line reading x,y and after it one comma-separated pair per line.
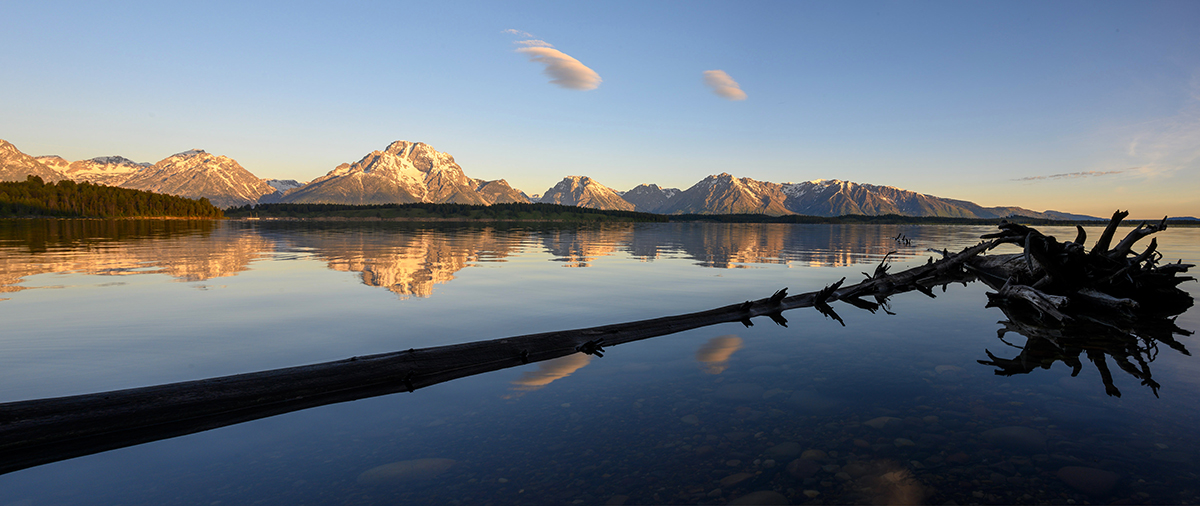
x,y
1053,276
47,430
1106,303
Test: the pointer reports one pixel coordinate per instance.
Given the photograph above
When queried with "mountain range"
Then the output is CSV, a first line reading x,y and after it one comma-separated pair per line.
x,y
407,172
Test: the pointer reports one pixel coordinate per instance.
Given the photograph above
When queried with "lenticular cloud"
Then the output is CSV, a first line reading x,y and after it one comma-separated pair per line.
x,y
723,85
564,70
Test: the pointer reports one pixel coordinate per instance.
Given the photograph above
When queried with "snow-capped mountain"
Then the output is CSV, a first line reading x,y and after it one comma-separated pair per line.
x,y
106,170
832,197
648,198
283,185
499,192
725,194
407,172
17,166
583,191
404,172
195,174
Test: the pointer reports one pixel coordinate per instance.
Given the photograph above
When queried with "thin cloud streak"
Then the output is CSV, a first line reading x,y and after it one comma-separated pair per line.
x,y
564,71
533,43
723,85
1168,145
1072,175
518,33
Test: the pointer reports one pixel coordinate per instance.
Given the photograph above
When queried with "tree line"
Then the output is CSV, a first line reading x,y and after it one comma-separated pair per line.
x,y
425,210
34,197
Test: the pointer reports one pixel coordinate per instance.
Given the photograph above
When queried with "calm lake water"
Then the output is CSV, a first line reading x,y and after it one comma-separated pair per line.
x,y
890,408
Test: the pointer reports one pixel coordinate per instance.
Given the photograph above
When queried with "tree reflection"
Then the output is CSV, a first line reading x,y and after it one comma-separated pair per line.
x,y
1132,343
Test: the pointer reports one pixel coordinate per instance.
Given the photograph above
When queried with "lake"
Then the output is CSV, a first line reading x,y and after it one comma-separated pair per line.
x,y
893,407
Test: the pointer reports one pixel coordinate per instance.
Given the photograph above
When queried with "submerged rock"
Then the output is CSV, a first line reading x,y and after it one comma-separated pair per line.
x,y
814,454
404,470
740,392
1089,480
761,497
734,479
1016,438
886,424
803,468
880,422
788,449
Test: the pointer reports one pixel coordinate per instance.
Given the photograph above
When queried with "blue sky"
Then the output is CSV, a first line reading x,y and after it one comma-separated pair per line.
x,y
1074,106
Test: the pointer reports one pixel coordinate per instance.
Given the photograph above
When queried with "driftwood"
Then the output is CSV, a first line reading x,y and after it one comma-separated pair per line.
x,y
47,430
1050,275
1102,303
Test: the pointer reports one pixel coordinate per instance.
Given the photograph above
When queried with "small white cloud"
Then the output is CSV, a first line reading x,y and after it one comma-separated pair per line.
x,y
564,70
723,85
533,43
518,33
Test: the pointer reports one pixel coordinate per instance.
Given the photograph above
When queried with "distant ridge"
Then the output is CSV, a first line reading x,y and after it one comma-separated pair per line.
x,y
196,174
413,172
106,170
726,194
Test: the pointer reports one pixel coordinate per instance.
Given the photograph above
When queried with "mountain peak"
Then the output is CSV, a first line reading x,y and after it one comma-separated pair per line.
x,y
584,191
404,172
196,173
649,198
403,148
16,165
117,160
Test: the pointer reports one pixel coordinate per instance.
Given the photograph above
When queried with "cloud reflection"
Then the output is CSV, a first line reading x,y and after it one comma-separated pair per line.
x,y
714,354
548,372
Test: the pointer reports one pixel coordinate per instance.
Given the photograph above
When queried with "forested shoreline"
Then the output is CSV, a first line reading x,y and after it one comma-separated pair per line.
x,y
429,211
554,212
68,199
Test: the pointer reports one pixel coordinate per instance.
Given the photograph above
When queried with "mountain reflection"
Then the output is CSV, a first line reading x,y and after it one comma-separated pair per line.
x,y
188,250
579,247
410,260
727,246
714,354
408,264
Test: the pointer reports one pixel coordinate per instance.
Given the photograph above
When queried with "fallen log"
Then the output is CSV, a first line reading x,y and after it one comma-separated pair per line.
x,y
47,430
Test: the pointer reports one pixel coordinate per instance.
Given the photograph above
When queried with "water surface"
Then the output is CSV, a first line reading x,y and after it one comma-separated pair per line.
x,y
888,408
